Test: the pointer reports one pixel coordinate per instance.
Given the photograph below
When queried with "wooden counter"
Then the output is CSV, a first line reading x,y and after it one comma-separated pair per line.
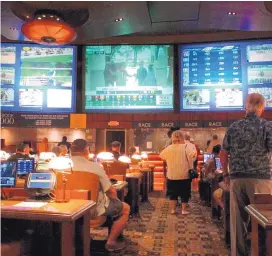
x,y
261,214
64,213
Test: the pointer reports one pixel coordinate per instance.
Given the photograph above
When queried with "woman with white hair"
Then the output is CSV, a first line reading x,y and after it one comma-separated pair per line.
x,y
178,157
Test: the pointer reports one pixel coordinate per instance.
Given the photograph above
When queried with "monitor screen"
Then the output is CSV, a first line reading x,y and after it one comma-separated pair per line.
x,y
218,164
25,166
219,76
128,77
8,173
40,180
207,157
38,78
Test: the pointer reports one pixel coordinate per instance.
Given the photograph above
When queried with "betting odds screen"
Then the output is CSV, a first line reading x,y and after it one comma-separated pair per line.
x,y
37,78
219,76
128,77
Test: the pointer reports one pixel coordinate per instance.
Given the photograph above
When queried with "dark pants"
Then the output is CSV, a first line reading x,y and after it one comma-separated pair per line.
x,y
204,191
179,188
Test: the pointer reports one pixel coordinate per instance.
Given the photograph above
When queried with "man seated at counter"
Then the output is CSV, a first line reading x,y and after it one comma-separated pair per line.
x,y
108,203
22,151
65,142
115,149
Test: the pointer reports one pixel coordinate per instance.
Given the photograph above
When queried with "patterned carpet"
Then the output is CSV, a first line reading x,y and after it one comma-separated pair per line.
x,y
158,233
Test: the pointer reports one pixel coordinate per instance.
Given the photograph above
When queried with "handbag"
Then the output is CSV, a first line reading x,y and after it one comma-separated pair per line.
x,y
193,174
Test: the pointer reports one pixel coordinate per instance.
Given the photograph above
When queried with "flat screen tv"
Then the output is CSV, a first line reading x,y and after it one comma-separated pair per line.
x,y
37,78
219,76
128,77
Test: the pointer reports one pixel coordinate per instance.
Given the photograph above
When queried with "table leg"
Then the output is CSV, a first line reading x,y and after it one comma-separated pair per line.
x,y
269,242
86,234
254,238
68,238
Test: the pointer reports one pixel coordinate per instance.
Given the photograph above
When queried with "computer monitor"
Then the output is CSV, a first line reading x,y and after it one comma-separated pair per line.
x,y
218,164
207,157
8,174
25,166
39,184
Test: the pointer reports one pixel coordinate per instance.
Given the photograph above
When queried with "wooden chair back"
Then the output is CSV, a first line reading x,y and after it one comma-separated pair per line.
x,y
262,198
80,180
115,168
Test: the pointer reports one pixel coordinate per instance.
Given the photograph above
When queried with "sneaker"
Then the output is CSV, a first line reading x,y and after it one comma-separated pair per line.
x,y
184,212
118,246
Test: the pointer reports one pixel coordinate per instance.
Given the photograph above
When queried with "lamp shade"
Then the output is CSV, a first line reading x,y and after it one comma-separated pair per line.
x,y
47,155
61,163
124,159
48,31
105,156
136,157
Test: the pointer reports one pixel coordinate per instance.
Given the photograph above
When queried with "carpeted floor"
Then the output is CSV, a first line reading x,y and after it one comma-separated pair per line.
x,y
156,232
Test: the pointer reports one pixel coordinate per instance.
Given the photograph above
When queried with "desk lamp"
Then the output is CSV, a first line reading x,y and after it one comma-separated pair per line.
x,y
105,157
64,166
3,155
91,157
124,159
47,156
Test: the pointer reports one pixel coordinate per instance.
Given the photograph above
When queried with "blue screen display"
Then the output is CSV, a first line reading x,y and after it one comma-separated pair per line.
x,y
25,166
219,76
40,180
218,164
37,78
8,174
129,77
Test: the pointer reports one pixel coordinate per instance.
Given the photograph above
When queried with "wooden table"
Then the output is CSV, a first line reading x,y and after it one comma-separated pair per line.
x,y
261,214
133,196
121,186
64,213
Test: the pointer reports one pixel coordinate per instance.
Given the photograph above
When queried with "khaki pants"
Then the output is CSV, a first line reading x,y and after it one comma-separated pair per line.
x,y
242,194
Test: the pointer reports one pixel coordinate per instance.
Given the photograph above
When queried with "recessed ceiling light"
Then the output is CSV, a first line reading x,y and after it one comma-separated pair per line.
x,y
119,19
231,13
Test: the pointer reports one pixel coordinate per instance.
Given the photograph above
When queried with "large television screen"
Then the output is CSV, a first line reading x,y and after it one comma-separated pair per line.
x,y
219,76
128,77
38,78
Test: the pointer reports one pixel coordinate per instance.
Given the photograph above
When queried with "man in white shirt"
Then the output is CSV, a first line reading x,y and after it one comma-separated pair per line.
x,y
108,203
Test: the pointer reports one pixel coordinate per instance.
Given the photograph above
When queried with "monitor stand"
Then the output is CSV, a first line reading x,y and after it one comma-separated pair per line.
x,y
43,198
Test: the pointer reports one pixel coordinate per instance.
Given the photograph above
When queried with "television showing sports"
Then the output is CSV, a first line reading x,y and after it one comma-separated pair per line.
x,y
128,77
219,76
37,78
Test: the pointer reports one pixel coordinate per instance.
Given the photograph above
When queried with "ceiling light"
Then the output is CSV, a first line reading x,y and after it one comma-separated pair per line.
x,y
119,19
231,13
13,28
48,31
27,17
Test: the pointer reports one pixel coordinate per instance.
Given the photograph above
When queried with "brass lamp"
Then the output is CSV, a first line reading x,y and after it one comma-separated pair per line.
x,y
64,166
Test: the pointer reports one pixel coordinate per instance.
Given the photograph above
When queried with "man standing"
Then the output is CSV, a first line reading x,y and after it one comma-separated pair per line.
x,y
108,203
249,143
65,142
115,149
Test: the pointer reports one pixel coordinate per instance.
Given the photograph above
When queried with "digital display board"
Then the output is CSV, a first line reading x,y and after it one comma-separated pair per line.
x,y
219,76
128,77
25,166
37,78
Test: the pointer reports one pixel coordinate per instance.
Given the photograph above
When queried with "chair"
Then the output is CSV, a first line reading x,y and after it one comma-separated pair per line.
x,y
262,198
116,168
159,170
80,180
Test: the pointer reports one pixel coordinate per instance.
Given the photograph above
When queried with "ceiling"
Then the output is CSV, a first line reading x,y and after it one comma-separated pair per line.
x,y
165,19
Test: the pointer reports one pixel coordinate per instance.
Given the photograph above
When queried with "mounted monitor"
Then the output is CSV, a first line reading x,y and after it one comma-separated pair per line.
x,y
8,174
37,78
219,76
25,166
128,77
